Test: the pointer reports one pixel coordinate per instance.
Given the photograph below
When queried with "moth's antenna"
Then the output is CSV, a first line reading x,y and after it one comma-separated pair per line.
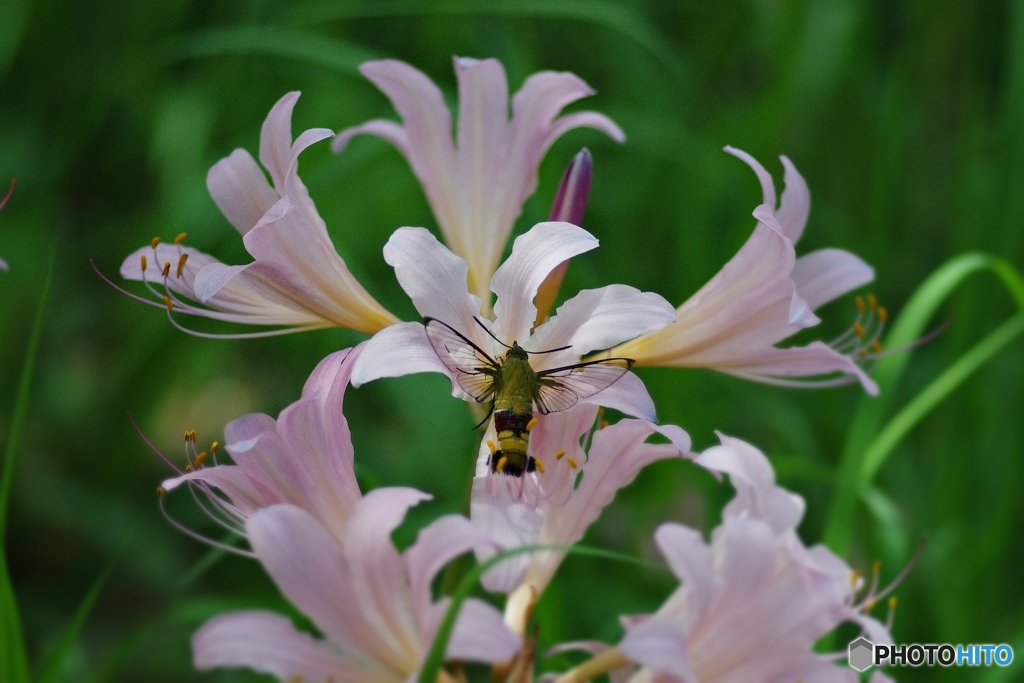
x,y
560,348
480,323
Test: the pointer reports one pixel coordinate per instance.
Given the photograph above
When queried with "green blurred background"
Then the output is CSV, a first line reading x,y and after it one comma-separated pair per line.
x,y
906,118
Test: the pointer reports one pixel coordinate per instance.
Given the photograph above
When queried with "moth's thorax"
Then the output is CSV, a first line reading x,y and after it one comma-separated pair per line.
x,y
516,384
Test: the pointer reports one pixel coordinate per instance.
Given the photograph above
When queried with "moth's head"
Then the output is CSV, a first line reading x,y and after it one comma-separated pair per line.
x,y
516,351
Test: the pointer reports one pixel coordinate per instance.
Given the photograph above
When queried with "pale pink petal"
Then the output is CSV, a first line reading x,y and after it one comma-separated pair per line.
x,y
3,266
627,395
276,140
534,255
747,306
482,158
817,358
597,319
311,570
582,119
387,130
879,677
690,559
256,294
826,274
757,496
444,540
427,139
267,643
534,128
508,522
434,278
763,176
660,645
401,349
317,434
616,456
378,574
291,242
240,190
796,203
246,492
480,634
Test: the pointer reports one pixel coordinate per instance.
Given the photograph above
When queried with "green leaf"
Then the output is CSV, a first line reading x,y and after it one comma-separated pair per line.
x,y
290,43
618,17
52,668
13,660
868,442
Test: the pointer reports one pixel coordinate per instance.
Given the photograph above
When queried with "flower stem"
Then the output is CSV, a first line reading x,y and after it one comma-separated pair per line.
x,y
595,666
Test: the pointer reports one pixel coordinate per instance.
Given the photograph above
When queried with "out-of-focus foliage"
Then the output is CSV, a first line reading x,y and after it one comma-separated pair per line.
x,y
906,118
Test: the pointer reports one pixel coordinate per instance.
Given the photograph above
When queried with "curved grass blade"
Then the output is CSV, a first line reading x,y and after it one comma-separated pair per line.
x,y
13,659
618,17
930,396
51,670
435,657
867,423
274,41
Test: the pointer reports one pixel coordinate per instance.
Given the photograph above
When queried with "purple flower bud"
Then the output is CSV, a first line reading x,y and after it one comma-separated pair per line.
x,y
573,190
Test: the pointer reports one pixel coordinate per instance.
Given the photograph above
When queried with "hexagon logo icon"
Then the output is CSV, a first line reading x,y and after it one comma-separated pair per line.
x,y
862,652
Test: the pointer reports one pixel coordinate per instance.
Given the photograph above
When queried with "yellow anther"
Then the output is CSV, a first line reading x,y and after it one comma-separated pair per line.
x,y
559,455
168,303
860,304
143,259
600,412
876,567
199,460
892,604
858,330
883,314
180,238
863,353
855,577
602,424
531,424
870,605
153,242
876,346
188,468
160,492
214,447
872,302
491,446
181,264
572,462
502,461
167,269
539,465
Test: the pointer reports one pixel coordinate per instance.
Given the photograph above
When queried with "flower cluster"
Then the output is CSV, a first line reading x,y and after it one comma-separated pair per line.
x,y
753,601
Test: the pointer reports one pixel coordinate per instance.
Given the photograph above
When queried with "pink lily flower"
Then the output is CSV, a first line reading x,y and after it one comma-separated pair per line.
x,y
297,278
476,183
372,604
584,464
753,601
764,295
304,458
435,280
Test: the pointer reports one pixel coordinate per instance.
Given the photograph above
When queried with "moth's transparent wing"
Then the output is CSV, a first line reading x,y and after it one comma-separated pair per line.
x,y
561,388
470,365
